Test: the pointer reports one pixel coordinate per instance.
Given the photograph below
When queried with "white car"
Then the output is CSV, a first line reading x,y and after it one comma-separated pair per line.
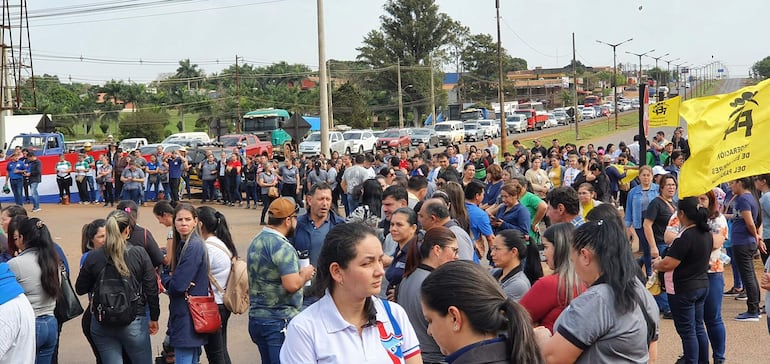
x,y
489,127
516,123
312,144
589,113
360,141
552,121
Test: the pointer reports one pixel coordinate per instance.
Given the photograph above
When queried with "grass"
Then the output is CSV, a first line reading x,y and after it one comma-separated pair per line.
x,y
189,122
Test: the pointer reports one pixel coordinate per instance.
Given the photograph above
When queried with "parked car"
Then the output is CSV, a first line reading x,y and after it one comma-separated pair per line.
x,y
589,113
129,144
561,116
551,122
153,148
516,123
450,132
312,144
360,141
425,135
250,142
394,138
473,132
490,128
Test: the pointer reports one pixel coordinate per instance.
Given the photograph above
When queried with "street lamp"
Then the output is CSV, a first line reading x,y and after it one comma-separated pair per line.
x,y
679,77
615,74
657,82
668,69
640,62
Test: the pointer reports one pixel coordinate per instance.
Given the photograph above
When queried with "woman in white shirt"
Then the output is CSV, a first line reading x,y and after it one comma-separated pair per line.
x,y
349,323
220,247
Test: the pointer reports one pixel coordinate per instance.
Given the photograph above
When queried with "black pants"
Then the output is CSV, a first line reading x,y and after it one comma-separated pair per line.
x,y
289,190
83,190
174,183
266,201
26,189
744,257
64,186
109,193
216,349
224,188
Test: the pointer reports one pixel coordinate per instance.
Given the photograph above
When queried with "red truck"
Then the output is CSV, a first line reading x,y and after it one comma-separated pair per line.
x,y
250,142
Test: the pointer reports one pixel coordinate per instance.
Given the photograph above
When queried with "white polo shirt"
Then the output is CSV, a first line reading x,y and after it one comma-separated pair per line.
x,y
319,334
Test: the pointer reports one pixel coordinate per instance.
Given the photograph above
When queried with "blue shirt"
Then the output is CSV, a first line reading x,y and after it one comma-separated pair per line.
x,y
479,221
516,218
9,287
491,193
14,166
175,168
739,234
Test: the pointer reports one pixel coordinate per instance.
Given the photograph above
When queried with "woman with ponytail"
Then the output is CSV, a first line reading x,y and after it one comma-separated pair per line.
x,y
37,271
439,246
508,250
468,330
134,264
220,248
688,258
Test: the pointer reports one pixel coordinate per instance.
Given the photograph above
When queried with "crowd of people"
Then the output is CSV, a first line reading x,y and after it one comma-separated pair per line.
x,y
429,257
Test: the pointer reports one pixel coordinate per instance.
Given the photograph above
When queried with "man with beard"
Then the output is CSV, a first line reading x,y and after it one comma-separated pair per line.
x,y
275,279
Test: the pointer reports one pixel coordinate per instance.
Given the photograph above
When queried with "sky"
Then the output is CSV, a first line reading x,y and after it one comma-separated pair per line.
x,y
141,44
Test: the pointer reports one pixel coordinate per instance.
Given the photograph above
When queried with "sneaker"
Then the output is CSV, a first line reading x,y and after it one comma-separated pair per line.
x,y
668,315
36,210
742,296
733,292
754,317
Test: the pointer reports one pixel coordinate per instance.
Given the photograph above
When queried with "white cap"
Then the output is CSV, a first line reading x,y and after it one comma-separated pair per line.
x,y
658,170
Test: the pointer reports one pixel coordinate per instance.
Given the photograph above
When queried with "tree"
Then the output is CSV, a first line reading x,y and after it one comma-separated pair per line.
x,y
148,124
762,68
350,107
479,58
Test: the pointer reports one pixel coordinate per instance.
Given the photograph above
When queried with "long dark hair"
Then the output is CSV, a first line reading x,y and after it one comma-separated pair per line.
x,y
372,196
131,208
696,213
179,243
215,223
472,290
89,231
616,262
12,211
438,235
340,247
36,235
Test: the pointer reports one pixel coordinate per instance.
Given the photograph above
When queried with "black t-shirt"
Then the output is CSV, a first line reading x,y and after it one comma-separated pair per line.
x,y
693,249
659,211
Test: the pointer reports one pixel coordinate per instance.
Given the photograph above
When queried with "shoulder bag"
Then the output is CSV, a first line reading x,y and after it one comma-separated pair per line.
x,y
203,309
67,305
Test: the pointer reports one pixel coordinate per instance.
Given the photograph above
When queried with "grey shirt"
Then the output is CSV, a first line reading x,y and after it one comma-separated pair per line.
x,y
409,299
464,242
515,284
209,170
288,175
592,324
265,178
135,174
29,275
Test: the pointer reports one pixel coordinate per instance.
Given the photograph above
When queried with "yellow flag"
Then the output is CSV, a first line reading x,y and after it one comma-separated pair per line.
x,y
665,113
721,131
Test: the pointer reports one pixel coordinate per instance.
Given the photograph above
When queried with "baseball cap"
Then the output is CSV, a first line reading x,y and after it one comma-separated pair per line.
x,y
282,208
182,149
658,170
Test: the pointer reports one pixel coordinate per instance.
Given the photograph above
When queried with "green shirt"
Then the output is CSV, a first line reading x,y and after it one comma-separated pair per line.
x,y
531,201
270,257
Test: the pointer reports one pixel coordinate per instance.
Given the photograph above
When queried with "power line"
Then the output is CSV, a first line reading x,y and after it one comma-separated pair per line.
x,y
527,43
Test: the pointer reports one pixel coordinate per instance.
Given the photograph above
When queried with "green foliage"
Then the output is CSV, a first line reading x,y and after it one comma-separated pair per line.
x,y
762,68
566,97
144,124
350,107
104,127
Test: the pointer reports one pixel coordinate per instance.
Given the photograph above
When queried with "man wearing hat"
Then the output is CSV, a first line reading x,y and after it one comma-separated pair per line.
x,y
539,148
275,279
91,173
176,165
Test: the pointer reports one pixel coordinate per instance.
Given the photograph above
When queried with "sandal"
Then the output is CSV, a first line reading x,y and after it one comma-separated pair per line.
x,y
733,292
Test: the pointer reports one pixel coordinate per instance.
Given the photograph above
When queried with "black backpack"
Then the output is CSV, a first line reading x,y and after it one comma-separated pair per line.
x,y
115,297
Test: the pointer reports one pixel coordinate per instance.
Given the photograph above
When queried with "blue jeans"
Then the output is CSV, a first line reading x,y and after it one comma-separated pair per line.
x,y
737,282
46,334
268,335
687,308
187,355
92,188
133,195
17,187
208,189
712,315
352,203
133,339
646,257
33,195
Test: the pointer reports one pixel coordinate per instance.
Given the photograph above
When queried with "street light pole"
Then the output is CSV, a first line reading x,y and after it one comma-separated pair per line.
x,y
639,77
668,70
615,74
500,86
679,77
400,96
322,78
657,81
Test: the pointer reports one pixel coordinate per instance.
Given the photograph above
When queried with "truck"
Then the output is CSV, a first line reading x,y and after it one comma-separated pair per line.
x,y
535,113
18,124
276,125
250,142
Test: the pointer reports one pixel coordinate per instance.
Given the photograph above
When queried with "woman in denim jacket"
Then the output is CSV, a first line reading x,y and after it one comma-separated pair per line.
x,y
638,199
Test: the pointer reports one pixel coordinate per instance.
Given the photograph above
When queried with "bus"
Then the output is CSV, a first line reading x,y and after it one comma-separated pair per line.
x,y
592,100
535,113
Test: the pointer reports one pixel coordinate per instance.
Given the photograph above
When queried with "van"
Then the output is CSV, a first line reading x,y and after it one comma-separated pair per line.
x,y
450,132
199,136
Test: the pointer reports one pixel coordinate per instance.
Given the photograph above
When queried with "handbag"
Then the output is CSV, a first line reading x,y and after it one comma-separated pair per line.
x,y
67,305
204,310
272,192
653,284
80,179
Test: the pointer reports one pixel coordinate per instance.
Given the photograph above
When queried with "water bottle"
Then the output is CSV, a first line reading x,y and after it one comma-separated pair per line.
x,y
304,261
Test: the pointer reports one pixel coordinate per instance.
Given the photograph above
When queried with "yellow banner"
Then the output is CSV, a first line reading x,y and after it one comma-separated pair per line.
x,y
665,113
721,129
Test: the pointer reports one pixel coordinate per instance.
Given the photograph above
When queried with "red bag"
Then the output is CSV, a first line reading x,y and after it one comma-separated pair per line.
x,y
204,312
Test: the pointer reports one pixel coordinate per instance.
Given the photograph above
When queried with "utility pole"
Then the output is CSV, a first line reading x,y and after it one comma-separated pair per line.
x,y
331,91
615,74
432,93
668,70
400,95
238,93
574,95
657,81
324,102
500,86
678,78
639,77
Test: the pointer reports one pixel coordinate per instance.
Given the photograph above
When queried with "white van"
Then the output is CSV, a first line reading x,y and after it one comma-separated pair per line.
x,y
450,132
199,136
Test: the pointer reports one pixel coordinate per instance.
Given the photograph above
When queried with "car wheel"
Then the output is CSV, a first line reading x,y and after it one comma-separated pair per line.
x,y
361,150
347,151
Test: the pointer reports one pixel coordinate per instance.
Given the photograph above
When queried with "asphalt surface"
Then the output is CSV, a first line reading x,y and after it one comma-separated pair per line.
x,y
745,340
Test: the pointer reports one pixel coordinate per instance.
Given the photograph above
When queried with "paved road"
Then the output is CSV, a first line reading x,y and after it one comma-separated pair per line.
x,y
745,340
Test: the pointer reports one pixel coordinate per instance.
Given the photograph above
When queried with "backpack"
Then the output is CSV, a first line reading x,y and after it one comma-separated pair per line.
x,y
235,295
115,297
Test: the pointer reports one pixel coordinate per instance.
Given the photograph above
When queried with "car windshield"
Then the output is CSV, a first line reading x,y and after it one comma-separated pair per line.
x,y
149,149
485,123
229,141
471,126
526,114
421,131
443,127
390,134
315,137
351,136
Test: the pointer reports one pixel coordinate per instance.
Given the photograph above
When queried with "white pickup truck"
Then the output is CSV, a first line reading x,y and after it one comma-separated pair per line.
x,y
312,144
